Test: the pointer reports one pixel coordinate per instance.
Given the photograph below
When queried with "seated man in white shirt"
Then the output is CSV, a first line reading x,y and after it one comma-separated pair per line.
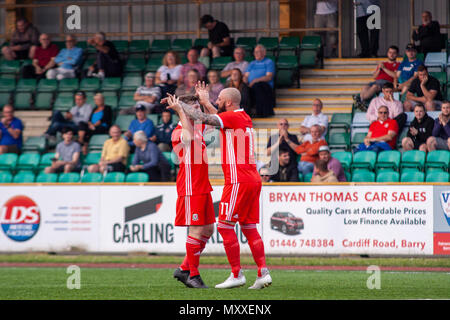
x,y
317,117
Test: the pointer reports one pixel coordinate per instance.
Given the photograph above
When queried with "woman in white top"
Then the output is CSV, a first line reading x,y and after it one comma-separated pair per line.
x,y
168,74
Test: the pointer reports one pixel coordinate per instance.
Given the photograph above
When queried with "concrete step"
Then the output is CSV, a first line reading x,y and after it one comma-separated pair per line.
x,y
336,73
297,111
354,62
317,92
335,82
307,102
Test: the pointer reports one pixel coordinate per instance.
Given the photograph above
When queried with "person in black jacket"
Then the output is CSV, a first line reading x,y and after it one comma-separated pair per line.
x,y
287,171
419,131
429,35
164,132
100,121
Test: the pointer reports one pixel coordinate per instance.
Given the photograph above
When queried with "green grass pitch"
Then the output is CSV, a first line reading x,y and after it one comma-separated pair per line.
x,y
128,283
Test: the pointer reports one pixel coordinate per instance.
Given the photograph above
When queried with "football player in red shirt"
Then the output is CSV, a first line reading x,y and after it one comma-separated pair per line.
x,y
194,204
240,198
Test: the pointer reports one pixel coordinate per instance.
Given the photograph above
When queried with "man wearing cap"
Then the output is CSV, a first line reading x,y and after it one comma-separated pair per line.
x,y
333,164
147,95
141,123
77,114
407,70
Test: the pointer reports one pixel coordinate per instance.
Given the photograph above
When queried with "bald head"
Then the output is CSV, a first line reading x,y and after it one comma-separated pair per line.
x,y
229,99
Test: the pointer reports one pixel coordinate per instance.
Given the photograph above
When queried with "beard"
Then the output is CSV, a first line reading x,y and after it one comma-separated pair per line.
x,y
221,109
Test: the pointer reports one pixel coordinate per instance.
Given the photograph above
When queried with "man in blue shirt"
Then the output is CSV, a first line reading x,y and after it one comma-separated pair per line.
x,y
141,123
407,70
10,131
67,60
259,77
149,159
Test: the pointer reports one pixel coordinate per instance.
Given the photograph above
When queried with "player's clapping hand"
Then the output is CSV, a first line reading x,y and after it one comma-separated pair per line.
x,y
202,92
173,103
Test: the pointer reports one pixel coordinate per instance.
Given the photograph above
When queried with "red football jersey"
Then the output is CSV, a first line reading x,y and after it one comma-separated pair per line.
x,y
392,66
192,176
380,129
237,147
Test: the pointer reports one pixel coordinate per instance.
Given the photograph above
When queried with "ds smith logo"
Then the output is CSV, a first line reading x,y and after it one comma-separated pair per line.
x,y
20,218
445,203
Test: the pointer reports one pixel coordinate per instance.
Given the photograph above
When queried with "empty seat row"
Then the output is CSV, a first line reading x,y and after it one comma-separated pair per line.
x,y
73,177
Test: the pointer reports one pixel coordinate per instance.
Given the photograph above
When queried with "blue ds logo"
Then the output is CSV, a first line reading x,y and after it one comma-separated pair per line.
x,y
445,203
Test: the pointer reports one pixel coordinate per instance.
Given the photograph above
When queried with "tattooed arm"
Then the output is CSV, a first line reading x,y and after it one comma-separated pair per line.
x,y
196,114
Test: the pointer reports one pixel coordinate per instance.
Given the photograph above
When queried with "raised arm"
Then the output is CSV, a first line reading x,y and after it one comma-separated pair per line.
x,y
197,114
202,92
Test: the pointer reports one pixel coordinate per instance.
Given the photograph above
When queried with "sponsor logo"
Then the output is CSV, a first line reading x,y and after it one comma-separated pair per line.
x,y
20,218
142,209
445,204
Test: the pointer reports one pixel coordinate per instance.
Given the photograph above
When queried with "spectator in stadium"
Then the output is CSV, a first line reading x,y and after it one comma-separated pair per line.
x,y
141,123
108,62
395,107
385,72
67,60
67,156
259,77
114,153
236,80
407,70
73,118
42,58
238,63
308,150
323,173
287,169
149,159
147,95
168,74
100,121
192,78
382,133
316,118
164,132
428,34
419,131
11,129
25,36
278,142
327,17
219,37
193,63
264,174
214,86
331,163
440,137
425,89
368,39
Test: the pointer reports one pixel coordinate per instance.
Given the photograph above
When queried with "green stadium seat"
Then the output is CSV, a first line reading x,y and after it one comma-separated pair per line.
x,y
412,176
92,158
438,159
308,177
63,103
413,159
114,177
288,46
7,66
364,160
47,178
437,176
6,177
7,85
206,61
344,157
388,176
126,101
388,159
8,161
339,140
28,161
26,85
159,47
134,65
47,85
310,51
201,43
121,45
35,144
24,177
247,43
340,121
131,82
362,175
181,45
22,101
154,117
135,177
270,43
137,46
68,85
358,138
88,62
153,64
287,70
71,177
124,120
112,101
220,62
168,156
111,84
90,84
46,160
97,141
92,177
43,101
5,98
